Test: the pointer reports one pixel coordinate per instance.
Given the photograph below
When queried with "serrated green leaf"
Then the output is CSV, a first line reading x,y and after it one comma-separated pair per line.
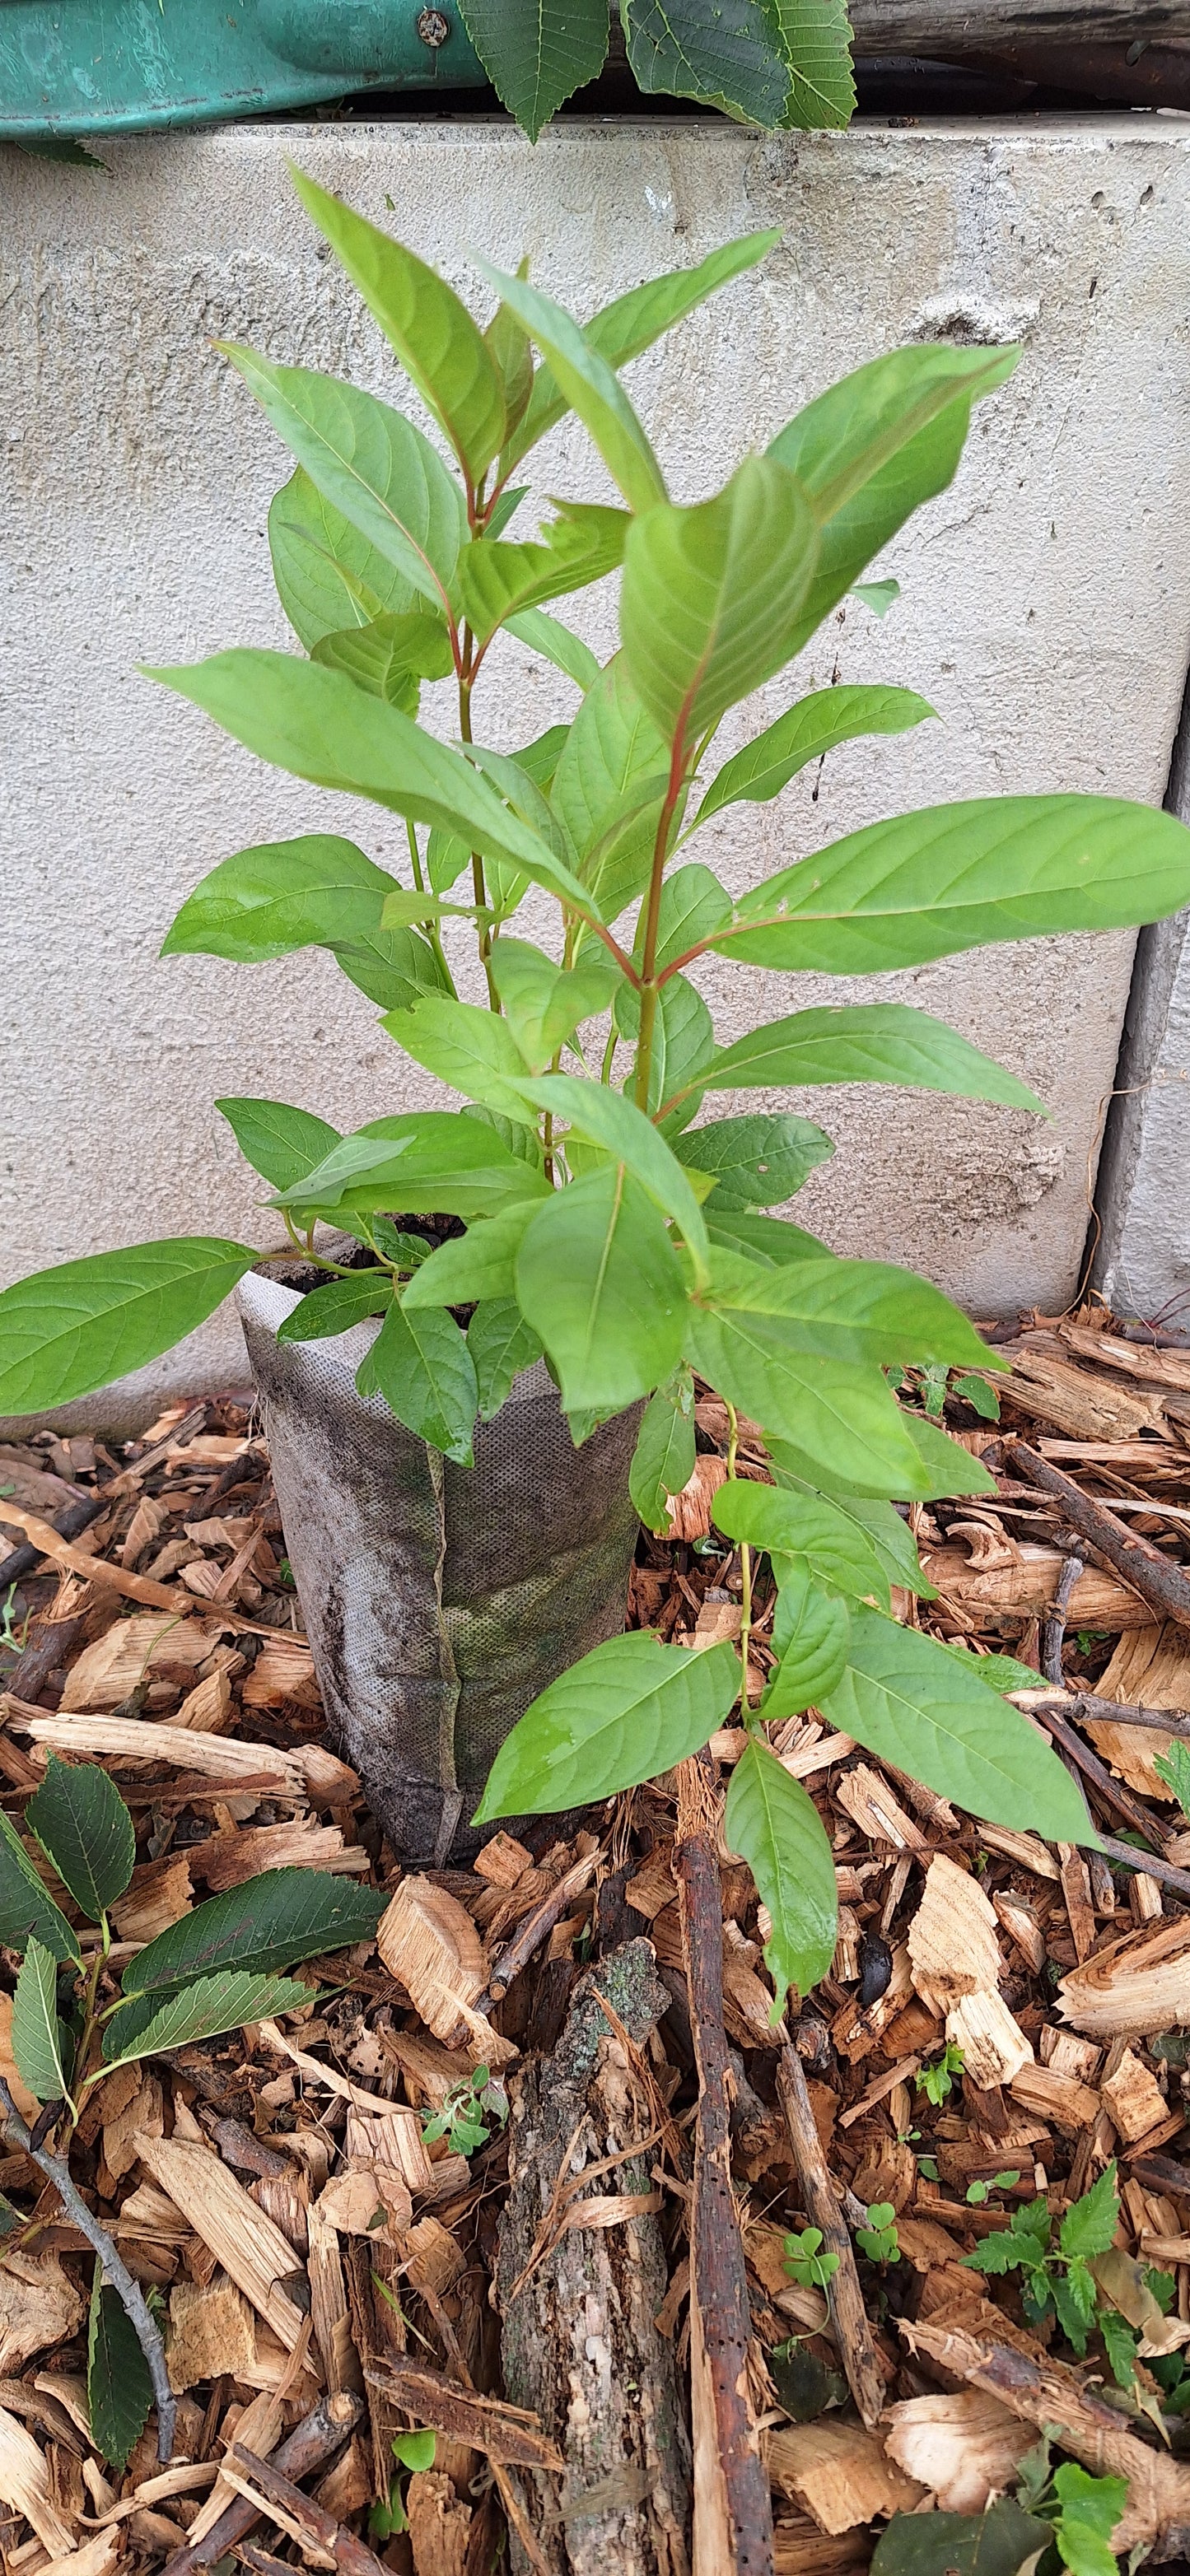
x,y
906,1700
810,1633
998,2542
807,1532
85,1831
536,55
866,1042
36,2037
1089,2225
1091,2509
150,2026
422,1367
26,1906
628,1710
281,1143
773,1825
811,728
275,1921
816,39
65,1332
663,1459
501,1344
326,1312
710,594
1073,2295
725,53
119,2389
1174,1768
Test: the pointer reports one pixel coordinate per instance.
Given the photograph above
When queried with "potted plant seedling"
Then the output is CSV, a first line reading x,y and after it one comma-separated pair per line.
x,y
609,1237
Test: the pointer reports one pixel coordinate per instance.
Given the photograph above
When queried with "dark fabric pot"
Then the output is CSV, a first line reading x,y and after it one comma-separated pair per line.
x,y
438,1600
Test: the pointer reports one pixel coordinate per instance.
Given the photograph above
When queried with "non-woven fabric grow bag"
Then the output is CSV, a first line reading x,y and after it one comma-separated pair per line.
x,y
96,66
438,1600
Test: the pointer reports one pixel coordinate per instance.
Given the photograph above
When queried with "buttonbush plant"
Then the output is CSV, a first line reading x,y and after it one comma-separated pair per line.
x,y
608,1222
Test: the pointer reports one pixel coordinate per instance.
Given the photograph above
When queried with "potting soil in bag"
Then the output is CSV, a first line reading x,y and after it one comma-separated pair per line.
x,y
438,1600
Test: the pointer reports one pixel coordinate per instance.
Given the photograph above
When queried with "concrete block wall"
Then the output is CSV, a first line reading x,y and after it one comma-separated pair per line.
x,y
1045,614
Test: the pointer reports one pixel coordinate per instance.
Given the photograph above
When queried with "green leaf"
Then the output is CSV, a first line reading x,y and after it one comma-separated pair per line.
x,y
274,1921
36,2038
1073,2295
876,445
710,595
422,1367
1174,1768
683,1041
66,1331
998,2542
501,1344
616,1124
281,1143
1089,2225
663,1459
426,1162
810,1633
1119,2343
481,1265
328,577
693,907
609,786
632,323
441,349
85,1831
895,1546
1091,2510
225,2001
816,38
728,56
1011,2249
951,877
544,1004
390,657
809,1530
772,1241
599,1280
371,464
814,726
318,892
534,56
473,1050
851,1310
625,1712
756,1161
328,1311
556,644
498,581
119,2389
589,385
865,1042
842,1420
774,1826
976,1392
507,343
906,1700
317,725
26,1906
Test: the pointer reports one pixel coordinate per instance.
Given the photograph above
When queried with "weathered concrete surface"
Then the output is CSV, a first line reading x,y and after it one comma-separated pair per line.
x,y
1143,1199
1045,612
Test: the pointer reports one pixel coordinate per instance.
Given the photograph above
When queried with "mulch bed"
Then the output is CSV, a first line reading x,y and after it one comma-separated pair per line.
x,y
349,2278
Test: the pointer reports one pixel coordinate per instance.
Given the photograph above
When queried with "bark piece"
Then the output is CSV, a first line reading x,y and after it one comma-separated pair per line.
x,y
503,1861
801,2549
1158,1581
964,2448
511,2435
211,2331
1134,2098
840,2473
1151,1667
580,2344
368,2202
26,2102
283,1670
39,2306
1026,1590
328,2304
94,2557
439,2525
227,1860
1138,1985
821,2203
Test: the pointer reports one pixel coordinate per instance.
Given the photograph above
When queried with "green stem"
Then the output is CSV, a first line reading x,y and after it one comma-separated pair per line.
x,y
745,1573
609,1053
648,990
466,679
430,927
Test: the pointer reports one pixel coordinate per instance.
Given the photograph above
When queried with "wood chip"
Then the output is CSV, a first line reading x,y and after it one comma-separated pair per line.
x,y
25,2484
1056,2097
211,2330
1133,2097
224,1757
993,2045
965,2449
839,2472
1135,1987
1149,1669
428,1941
39,2306
953,1948
108,1670
866,1797
253,2250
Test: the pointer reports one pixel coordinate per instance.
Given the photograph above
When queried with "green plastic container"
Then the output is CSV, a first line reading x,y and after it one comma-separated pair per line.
x,y
98,66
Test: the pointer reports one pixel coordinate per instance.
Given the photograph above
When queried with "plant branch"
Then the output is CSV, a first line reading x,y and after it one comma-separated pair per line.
x,y
648,981
148,2335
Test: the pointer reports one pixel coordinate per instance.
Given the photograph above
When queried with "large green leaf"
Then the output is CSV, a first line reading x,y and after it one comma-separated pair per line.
x,y
472,1049
589,384
85,1831
425,1162
498,581
316,724
326,1312
876,445
998,2542
663,1459
621,1129
328,577
225,2001
632,323
439,346
509,348
853,1310
710,595
810,1632
725,53
390,656
608,789
693,907
808,1533
501,1344
683,1041
757,1161
543,1004
895,1546
961,876
535,52
274,1921
556,644
941,1468
907,1700
370,463
26,1906
816,38
481,1265
865,1042
600,1282
317,891
119,2389
66,1331
422,1367
628,1710
771,1240
281,1143
842,1419
36,2037
809,729
773,1825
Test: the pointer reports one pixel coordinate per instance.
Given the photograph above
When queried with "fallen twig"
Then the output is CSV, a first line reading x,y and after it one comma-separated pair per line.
x,y
1148,1864
505,2433
308,2448
148,2334
733,2515
534,1930
1141,1819
69,1524
820,2201
1162,1585
1105,1712
96,1569
1054,1630
320,2536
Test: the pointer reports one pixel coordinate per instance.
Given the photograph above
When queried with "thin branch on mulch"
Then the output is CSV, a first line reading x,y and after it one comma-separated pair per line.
x,y
1160,1583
